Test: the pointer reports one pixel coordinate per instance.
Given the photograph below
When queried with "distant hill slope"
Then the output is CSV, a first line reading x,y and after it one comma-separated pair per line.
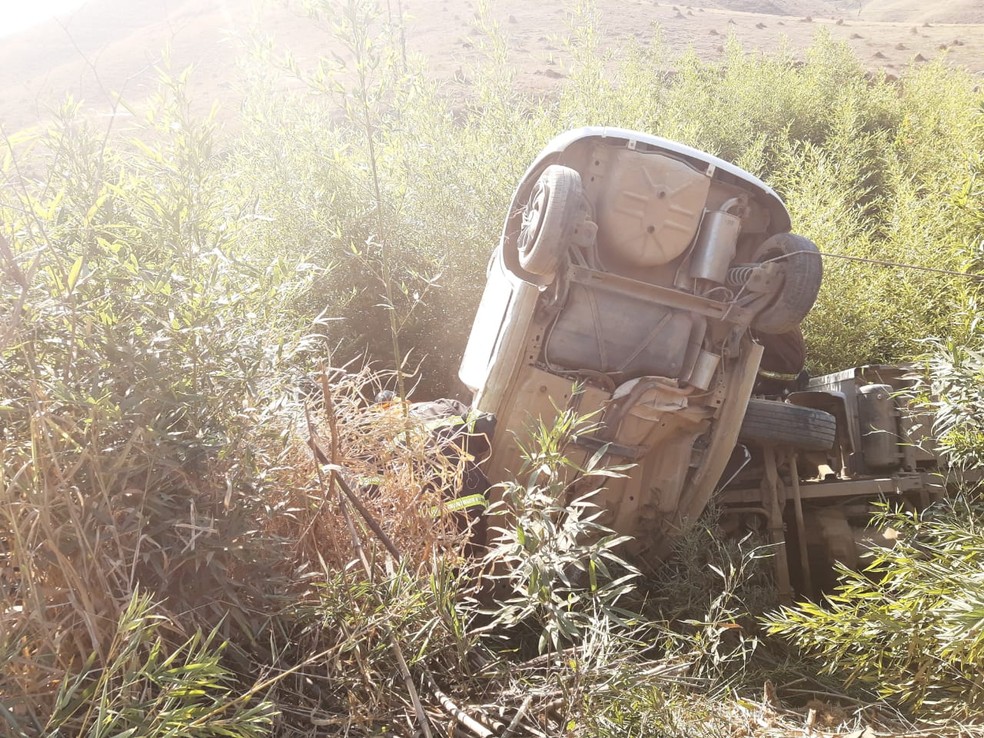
x,y
893,11
109,46
819,8
923,11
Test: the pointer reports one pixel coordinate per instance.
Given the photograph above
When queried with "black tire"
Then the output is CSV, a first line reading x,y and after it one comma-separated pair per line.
x,y
781,424
802,273
549,218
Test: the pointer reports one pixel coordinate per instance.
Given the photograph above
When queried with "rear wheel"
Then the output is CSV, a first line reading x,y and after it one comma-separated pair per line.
x,y
549,218
781,424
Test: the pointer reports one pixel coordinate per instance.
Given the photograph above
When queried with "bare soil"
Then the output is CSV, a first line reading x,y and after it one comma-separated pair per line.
x,y
111,47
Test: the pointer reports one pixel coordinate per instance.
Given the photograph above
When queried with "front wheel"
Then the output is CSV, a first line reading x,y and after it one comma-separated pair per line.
x,y
802,273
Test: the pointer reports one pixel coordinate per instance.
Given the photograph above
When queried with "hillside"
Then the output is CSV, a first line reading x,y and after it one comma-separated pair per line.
x,y
112,46
917,11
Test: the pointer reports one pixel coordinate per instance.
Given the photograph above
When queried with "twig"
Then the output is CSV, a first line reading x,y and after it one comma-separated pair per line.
x,y
544,659
518,717
335,469
554,705
364,511
116,99
456,712
833,695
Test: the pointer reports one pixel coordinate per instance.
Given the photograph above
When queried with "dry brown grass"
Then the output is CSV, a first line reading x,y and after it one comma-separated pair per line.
x,y
390,459
76,548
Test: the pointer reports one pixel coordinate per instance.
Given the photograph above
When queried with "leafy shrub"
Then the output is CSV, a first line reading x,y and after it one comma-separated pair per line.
x,y
709,593
909,626
559,571
953,365
953,391
147,687
140,352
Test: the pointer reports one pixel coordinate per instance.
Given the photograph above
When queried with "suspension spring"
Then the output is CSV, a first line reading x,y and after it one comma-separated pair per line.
x,y
739,275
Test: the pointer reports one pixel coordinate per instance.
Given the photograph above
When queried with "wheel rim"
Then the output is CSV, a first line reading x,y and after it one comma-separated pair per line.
x,y
783,262
532,218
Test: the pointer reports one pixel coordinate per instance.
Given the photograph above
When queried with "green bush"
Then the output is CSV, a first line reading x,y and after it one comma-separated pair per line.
x,y
909,626
146,686
141,351
558,569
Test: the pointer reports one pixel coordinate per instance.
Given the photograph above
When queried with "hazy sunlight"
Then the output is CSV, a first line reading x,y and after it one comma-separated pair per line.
x,y
17,15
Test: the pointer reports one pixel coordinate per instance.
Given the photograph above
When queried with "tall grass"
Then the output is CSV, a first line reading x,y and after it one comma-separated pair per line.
x,y
139,354
557,567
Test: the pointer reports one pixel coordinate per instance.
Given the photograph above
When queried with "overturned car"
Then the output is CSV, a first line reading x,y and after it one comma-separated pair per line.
x,y
644,283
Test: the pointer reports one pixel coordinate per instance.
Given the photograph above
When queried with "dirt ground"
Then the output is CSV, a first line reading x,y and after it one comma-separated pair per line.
x,y
111,46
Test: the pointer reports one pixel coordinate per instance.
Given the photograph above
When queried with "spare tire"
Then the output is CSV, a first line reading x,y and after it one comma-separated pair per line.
x,y
782,424
550,216
802,273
